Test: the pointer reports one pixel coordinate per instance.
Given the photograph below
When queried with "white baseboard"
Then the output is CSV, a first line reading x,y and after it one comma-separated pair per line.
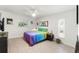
x,y
66,43
16,38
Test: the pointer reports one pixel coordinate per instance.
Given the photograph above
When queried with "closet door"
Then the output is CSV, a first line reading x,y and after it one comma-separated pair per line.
x,y
77,22
0,22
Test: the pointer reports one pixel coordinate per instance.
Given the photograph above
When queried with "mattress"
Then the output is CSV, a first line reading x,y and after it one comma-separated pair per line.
x,y
34,37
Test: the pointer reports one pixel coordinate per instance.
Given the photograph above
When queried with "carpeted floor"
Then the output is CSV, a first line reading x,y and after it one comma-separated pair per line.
x,y
20,46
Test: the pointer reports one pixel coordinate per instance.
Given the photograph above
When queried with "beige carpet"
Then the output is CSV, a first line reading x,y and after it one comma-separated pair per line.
x,y
20,46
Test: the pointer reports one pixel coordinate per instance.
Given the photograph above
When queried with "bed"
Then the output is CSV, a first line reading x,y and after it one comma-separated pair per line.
x,y
33,37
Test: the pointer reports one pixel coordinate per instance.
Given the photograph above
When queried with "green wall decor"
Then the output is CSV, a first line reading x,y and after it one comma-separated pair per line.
x,y
22,24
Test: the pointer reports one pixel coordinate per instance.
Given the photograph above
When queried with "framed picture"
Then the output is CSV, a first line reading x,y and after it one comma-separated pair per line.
x,y
9,21
31,22
43,23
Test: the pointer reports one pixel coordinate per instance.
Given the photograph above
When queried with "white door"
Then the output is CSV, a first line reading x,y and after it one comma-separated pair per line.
x,y
61,28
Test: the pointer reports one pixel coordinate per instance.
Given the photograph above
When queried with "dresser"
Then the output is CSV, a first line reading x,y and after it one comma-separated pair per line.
x,y
3,42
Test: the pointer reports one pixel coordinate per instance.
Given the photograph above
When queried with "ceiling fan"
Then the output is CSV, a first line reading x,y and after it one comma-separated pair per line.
x,y
33,12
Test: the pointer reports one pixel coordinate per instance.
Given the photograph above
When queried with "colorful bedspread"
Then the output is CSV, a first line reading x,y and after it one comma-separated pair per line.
x,y
34,37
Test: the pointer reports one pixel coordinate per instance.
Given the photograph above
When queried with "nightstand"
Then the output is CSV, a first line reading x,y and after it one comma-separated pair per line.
x,y
50,36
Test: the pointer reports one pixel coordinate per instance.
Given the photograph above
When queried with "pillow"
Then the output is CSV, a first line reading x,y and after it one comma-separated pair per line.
x,y
43,29
34,29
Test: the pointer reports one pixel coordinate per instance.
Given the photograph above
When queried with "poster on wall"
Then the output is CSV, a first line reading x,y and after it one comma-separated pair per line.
x,y
9,21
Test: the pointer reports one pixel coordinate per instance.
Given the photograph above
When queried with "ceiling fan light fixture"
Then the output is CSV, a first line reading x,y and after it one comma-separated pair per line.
x,y
33,14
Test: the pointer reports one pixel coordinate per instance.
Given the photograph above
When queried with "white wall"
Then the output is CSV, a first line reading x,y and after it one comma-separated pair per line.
x,y
78,31
70,26
13,30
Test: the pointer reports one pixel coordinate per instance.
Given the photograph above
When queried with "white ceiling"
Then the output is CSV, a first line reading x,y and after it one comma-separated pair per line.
x,y
43,10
